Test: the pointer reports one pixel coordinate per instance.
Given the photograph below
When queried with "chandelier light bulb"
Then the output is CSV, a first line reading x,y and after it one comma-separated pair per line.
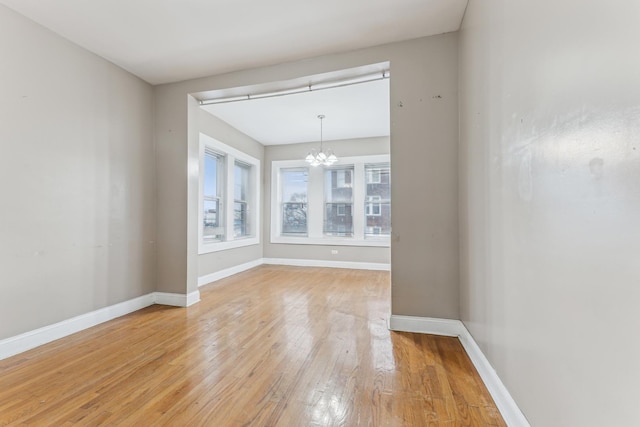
x,y
316,158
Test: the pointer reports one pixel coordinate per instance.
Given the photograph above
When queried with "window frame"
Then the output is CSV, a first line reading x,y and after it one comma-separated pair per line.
x,y
316,208
227,200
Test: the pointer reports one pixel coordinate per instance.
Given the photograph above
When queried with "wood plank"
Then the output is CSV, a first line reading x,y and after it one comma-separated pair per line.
x,y
272,346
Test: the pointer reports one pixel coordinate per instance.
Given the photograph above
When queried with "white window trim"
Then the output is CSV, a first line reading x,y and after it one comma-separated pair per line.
x,y
231,155
315,204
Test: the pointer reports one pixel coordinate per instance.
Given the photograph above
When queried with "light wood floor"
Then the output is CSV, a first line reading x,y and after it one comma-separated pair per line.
x,y
273,346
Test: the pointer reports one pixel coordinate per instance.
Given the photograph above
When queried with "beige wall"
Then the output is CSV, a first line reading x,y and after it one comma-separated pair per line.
x,y
550,173
424,134
220,130
77,168
344,148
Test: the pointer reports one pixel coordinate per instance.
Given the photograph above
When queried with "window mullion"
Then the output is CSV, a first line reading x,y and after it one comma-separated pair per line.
x,y
359,190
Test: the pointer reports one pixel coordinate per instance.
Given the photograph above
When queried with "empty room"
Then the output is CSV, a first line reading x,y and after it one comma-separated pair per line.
x,y
284,213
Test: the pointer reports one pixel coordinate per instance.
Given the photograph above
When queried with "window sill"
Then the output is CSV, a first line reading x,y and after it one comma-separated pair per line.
x,y
332,241
223,246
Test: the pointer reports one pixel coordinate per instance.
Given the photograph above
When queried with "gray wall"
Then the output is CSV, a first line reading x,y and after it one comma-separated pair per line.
x,y
424,135
550,200
214,127
343,148
77,168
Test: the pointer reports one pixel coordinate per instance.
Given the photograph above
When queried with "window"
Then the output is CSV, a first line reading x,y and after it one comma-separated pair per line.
x,y
294,201
338,199
229,197
212,194
242,172
346,204
377,201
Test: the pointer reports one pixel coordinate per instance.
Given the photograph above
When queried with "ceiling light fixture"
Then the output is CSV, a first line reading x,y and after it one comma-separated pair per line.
x,y
317,158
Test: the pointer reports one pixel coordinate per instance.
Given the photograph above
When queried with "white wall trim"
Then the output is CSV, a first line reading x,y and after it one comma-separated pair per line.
x,y
512,415
193,298
326,263
426,325
32,339
218,275
177,300
28,340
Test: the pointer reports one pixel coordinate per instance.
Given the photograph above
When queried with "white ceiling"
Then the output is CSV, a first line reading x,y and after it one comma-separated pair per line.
x,y
356,111
170,40
164,41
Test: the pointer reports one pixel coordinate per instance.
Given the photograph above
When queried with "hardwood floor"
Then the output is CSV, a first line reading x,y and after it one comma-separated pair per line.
x,y
273,346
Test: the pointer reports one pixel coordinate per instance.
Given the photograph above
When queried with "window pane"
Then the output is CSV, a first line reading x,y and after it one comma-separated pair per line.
x,y
213,225
240,219
294,218
241,181
212,229
294,183
338,219
377,200
211,170
338,184
338,198
241,174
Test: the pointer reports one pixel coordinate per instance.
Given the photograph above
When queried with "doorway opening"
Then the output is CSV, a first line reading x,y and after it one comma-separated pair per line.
x,y
318,215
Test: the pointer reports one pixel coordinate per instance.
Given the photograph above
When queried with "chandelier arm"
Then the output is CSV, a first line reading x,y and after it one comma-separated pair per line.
x,y
321,117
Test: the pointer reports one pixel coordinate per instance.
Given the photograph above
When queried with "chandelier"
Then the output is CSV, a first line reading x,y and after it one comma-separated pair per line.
x,y
324,158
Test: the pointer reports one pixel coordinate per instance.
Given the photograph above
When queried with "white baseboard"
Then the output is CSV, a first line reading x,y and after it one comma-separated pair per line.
x,y
218,275
426,325
28,340
512,415
193,298
32,339
327,263
203,280
177,300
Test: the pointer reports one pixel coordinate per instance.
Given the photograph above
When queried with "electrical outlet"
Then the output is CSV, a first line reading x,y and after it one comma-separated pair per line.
x,y
334,252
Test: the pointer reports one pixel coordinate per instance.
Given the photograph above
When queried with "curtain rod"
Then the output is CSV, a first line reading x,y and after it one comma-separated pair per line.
x,y
303,89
